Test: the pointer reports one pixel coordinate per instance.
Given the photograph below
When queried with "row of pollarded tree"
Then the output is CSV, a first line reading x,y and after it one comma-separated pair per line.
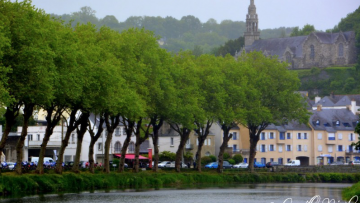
x,y
127,77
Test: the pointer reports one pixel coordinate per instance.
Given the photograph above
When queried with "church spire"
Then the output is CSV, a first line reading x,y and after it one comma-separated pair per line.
x,y
252,24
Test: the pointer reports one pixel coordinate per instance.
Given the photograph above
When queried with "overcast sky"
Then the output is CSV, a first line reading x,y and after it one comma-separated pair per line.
x,y
323,14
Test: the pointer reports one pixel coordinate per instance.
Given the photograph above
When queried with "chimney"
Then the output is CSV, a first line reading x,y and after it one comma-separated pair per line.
x,y
353,106
319,107
317,99
332,95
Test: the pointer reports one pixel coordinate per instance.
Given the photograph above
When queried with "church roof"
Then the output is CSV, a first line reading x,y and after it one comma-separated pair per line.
x,y
278,46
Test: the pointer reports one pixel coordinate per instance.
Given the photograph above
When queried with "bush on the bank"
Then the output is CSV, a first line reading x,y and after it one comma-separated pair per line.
x,y
238,158
226,156
213,158
205,160
231,161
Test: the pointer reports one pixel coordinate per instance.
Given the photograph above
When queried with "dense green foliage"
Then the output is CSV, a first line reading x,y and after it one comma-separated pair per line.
x,y
187,33
167,156
307,29
323,82
238,158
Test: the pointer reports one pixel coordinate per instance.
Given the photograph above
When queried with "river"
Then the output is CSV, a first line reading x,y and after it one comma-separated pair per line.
x,y
246,193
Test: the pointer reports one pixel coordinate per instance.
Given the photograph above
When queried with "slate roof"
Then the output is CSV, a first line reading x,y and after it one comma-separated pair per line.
x,y
277,46
338,100
333,120
294,125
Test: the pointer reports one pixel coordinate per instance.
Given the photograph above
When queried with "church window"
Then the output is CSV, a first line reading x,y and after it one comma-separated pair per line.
x,y
288,57
312,52
341,50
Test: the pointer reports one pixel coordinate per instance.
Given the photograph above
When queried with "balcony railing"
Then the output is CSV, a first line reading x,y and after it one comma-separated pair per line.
x,y
331,138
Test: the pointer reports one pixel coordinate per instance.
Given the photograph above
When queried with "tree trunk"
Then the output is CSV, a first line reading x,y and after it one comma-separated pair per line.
x,y
252,154
110,127
198,153
184,136
94,138
51,123
10,116
20,144
80,136
73,123
155,138
139,141
129,129
227,137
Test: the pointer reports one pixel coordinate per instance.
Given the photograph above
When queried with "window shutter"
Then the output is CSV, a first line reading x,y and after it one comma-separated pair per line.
x,y
197,142
275,147
320,148
265,135
274,135
266,148
290,135
257,147
280,148
305,148
291,148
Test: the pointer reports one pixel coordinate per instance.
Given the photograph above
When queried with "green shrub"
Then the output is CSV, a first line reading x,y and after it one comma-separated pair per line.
x,y
226,156
213,158
167,156
205,160
238,158
231,161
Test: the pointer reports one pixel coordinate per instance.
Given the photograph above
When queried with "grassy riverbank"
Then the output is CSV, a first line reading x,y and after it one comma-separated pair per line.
x,y
349,193
84,181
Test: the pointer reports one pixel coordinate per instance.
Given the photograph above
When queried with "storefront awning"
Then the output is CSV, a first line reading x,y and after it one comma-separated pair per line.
x,y
130,156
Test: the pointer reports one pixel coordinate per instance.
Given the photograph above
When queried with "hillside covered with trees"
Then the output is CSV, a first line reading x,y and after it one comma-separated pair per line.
x,y
187,33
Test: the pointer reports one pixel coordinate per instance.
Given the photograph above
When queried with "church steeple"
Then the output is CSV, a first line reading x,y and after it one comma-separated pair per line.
x,y
252,24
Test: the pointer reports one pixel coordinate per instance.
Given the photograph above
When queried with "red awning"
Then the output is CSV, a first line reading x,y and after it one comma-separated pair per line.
x,y
130,156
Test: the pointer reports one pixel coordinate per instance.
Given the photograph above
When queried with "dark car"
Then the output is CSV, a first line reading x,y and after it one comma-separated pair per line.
x,y
272,164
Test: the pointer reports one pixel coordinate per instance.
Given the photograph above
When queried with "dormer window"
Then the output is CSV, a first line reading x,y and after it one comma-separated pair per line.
x,y
317,122
337,123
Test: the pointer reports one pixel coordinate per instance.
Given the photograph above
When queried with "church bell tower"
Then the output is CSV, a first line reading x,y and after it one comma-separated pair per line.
x,y
252,24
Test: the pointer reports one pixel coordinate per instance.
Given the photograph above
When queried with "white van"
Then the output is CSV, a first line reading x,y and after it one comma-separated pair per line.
x,y
293,163
36,159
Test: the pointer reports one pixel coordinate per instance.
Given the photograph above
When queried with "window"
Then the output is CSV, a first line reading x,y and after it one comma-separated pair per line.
x,y
124,131
282,136
320,148
72,138
319,136
271,148
245,160
100,146
280,148
171,141
305,148
30,137
341,50
207,154
340,136
299,148
317,122
340,148
331,136
280,160
205,142
271,159
209,141
234,148
351,137
263,148
288,160
288,136
337,123
288,57
234,137
288,148
299,136
262,136
305,136
350,148
38,137
131,147
117,132
271,136
117,147
330,149
312,52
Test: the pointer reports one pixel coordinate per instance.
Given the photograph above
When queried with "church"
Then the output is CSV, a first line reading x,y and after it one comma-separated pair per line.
x,y
319,49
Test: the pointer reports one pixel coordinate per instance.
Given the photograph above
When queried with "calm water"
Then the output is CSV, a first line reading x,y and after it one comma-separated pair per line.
x,y
277,193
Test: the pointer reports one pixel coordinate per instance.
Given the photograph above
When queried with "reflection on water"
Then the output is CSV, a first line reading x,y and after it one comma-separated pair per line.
x,y
277,193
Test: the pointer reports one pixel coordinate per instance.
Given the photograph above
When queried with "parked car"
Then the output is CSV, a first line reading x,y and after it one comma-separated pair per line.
x,y
336,163
11,165
293,163
172,165
241,165
355,162
163,164
226,164
211,165
272,164
259,165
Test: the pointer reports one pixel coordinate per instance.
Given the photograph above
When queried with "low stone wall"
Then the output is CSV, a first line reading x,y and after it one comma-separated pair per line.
x,y
318,169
